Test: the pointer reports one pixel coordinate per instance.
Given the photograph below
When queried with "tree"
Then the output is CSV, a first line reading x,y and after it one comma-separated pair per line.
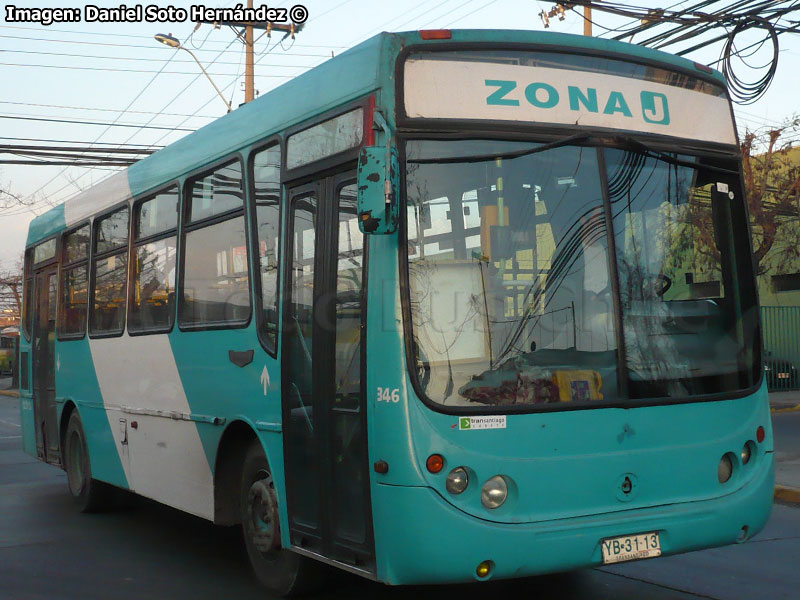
x,y
771,168
11,292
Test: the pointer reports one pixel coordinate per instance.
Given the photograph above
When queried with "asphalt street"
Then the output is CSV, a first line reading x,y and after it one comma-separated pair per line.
x,y
50,551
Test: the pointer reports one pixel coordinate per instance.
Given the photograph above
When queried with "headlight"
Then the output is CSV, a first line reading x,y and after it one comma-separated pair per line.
x,y
457,480
494,492
725,469
746,453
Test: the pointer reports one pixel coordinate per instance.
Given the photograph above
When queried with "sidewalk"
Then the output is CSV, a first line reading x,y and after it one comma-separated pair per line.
x,y
5,388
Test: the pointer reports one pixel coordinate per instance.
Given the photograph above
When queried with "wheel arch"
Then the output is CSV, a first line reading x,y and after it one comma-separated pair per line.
x,y
231,451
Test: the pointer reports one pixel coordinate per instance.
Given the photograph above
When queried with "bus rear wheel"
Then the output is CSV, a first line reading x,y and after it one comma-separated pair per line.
x,y
89,494
280,571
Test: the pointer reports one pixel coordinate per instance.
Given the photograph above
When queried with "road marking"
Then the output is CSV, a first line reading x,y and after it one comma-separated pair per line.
x,y
9,423
10,437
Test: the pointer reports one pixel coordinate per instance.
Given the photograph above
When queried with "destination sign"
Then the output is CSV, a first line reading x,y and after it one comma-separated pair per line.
x,y
442,89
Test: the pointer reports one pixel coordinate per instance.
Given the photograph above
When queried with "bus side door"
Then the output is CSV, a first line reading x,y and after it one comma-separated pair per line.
x,y
44,369
324,409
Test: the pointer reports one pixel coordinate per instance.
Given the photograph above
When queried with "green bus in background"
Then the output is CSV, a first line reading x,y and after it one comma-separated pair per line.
x,y
452,306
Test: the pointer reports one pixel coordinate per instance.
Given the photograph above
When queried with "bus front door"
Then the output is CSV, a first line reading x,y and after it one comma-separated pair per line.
x,y
44,369
324,408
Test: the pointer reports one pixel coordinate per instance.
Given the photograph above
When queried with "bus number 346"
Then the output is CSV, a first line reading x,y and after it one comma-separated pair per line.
x,y
388,395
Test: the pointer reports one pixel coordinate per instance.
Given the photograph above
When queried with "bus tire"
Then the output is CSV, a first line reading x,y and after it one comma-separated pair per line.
x,y
89,494
280,571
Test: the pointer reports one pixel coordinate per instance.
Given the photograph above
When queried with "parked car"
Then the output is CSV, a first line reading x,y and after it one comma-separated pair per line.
x,y
781,374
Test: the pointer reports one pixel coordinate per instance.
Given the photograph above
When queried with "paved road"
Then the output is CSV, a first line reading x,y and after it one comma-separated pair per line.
x,y
49,551
786,427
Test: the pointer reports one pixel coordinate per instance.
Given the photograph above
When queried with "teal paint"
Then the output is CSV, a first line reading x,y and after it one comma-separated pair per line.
x,y
655,108
76,379
446,545
498,97
616,104
46,225
577,97
533,89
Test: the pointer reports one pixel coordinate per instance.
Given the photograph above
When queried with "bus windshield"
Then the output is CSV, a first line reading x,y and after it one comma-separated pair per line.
x,y
518,286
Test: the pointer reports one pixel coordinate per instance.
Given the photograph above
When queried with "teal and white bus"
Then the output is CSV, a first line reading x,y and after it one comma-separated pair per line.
x,y
452,306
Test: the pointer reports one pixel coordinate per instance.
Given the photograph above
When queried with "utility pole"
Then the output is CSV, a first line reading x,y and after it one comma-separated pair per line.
x,y
249,74
587,20
559,10
289,29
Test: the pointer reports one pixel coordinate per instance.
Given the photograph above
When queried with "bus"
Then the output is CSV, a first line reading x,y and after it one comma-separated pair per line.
x,y
453,306
8,352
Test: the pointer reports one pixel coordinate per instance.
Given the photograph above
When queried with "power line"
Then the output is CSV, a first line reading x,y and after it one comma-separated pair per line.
x,y
149,37
118,70
129,58
149,47
113,124
114,110
73,142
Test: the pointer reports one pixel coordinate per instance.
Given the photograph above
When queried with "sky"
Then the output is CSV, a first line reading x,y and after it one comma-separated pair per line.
x,y
134,90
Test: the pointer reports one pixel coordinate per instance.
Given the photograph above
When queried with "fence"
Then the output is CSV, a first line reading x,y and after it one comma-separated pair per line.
x,y
781,346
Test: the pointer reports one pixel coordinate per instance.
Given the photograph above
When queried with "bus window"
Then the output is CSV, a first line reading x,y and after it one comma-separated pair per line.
x,y
74,284
153,282
27,307
216,288
110,274
266,168
325,139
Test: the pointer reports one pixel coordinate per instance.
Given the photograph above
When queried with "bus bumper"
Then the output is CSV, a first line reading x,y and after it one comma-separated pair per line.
x,y
421,538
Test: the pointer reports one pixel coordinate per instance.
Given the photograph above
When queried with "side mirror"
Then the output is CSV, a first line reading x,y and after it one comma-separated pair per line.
x,y
377,190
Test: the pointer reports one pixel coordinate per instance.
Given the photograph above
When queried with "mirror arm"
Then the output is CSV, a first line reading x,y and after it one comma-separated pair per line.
x,y
387,176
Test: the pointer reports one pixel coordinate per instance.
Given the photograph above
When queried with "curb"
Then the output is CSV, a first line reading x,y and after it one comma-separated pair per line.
x,y
12,394
787,495
794,408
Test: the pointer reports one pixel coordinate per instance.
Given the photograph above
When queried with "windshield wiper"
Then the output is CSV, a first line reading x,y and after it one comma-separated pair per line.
x,y
511,154
631,144
624,142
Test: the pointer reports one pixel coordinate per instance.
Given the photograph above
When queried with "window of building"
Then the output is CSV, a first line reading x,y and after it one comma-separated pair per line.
x,y
110,274
266,167
788,282
152,299
215,279
74,284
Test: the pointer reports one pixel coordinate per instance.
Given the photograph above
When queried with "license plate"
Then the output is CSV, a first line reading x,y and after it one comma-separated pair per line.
x,y
630,547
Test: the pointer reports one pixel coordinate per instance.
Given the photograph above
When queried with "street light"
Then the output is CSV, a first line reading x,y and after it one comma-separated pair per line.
x,y
173,42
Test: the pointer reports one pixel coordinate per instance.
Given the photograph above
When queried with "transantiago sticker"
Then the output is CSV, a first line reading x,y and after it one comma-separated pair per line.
x,y
494,422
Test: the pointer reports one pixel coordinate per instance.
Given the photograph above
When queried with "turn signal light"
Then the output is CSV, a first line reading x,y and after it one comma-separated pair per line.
x,y
484,569
435,463
760,434
436,34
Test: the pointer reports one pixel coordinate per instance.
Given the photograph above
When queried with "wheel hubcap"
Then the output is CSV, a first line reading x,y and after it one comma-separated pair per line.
x,y
75,464
262,512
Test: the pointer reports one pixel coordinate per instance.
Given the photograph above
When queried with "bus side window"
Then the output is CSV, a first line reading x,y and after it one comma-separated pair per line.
x,y
155,237
74,284
215,279
266,176
109,274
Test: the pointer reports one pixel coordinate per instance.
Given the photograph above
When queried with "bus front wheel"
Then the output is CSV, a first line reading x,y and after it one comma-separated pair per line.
x,y
280,571
89,494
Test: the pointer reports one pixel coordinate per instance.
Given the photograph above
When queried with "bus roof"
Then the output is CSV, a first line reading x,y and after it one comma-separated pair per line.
x,y
351,75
